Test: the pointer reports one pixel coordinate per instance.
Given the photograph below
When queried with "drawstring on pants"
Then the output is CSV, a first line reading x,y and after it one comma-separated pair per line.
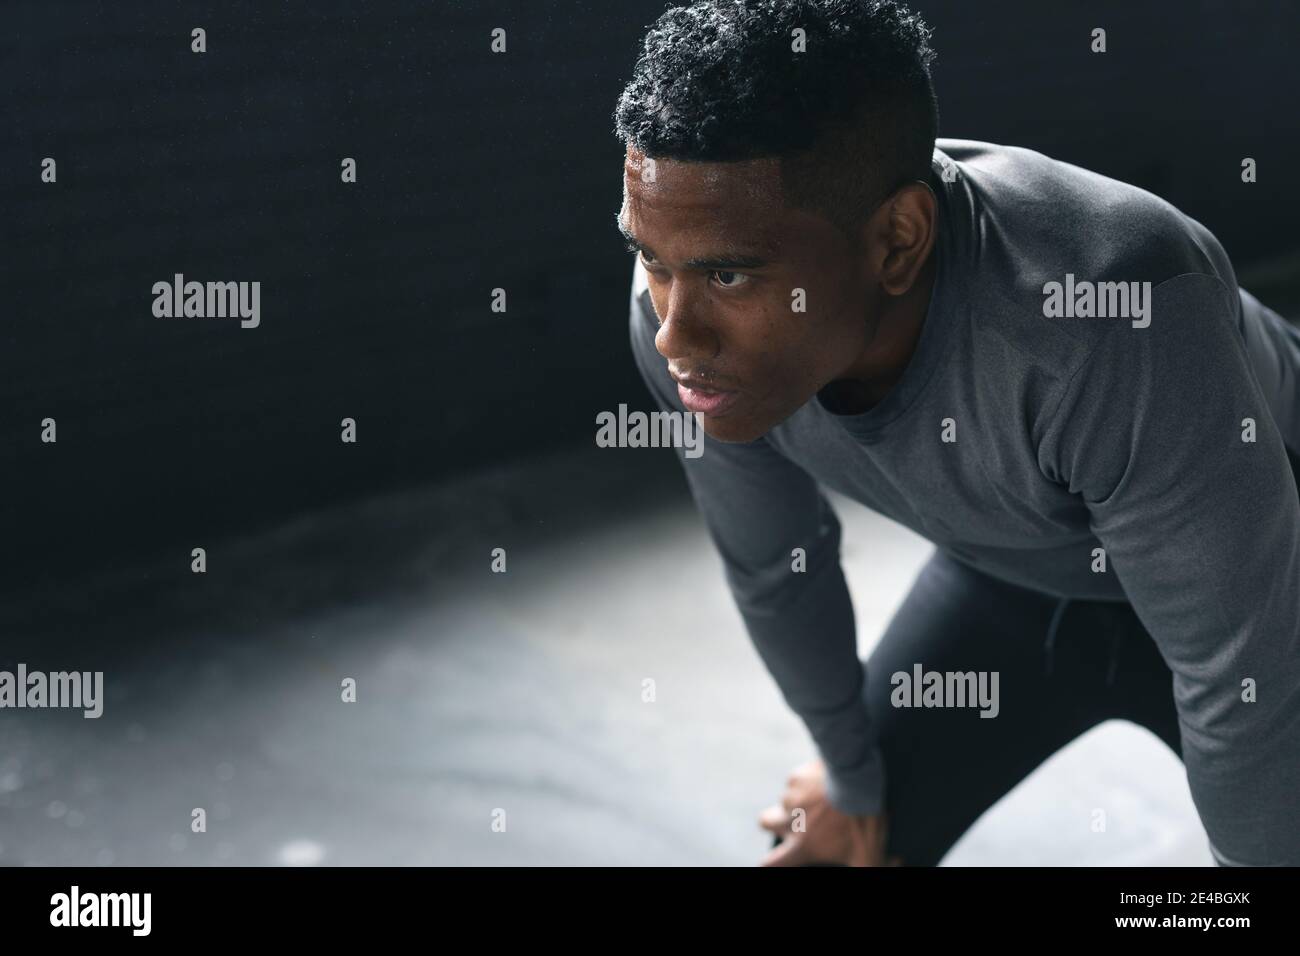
x,y
1049,645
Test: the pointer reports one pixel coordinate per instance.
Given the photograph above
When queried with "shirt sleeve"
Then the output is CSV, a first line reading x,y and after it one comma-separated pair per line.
x,y
758,506
1202,528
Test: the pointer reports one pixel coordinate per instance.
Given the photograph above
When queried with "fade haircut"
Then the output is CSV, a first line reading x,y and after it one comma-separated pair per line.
x,y
851,118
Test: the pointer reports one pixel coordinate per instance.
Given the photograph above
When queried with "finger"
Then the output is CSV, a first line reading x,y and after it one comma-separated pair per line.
x,y
775,818
790,852
862,847
810,770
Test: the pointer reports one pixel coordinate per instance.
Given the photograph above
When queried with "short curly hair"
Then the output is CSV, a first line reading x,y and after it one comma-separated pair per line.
x,y
852,116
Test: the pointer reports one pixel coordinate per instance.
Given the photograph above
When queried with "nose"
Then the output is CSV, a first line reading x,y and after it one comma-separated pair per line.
x,y
685,336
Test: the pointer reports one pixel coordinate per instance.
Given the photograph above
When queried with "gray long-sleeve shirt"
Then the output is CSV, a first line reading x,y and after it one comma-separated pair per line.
x,y
1072,434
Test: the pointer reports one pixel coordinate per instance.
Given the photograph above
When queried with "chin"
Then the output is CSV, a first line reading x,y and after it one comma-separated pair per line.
x,y
733,430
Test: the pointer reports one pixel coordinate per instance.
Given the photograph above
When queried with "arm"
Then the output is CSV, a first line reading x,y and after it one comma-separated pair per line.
x,y
1203,530
758,506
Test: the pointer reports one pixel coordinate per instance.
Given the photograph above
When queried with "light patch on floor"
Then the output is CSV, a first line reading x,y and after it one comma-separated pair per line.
x,y
599,703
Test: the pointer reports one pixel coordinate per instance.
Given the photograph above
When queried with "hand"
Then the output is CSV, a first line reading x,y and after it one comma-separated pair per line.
x,y
828,835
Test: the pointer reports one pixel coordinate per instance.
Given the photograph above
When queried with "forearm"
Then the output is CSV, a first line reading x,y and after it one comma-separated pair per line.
x,y
806,636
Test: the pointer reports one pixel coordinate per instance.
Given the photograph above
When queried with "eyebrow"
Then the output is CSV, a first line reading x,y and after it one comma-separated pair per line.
x,y
722,261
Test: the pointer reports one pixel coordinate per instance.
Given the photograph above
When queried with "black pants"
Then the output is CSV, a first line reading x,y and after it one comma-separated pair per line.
x,y
1064,667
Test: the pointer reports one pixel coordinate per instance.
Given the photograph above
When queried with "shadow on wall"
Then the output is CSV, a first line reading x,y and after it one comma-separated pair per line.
x,y
475,171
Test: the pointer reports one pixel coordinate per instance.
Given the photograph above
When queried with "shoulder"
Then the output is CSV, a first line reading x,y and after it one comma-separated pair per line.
x,y
1047,217
1044,249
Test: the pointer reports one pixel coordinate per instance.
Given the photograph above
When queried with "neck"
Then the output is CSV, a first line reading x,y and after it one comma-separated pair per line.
x,y
886,357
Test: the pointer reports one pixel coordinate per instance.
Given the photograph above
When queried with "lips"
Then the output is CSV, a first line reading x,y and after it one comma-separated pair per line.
x,y
706,401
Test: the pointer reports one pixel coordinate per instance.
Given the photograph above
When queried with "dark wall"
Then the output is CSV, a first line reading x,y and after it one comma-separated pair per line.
x,y
475,171
1185,91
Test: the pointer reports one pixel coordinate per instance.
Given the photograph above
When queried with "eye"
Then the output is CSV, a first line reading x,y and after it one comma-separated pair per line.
x,y
734,279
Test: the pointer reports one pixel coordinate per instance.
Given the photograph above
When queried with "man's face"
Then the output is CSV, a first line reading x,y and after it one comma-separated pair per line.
x,y
728,265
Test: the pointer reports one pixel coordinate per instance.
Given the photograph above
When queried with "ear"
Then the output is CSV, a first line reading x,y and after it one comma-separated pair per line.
x,y
906,232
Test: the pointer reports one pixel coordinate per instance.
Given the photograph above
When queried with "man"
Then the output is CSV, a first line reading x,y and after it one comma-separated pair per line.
x,y
1051,375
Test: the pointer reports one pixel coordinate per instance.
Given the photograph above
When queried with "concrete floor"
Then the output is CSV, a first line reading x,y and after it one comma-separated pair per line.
x,y
478,693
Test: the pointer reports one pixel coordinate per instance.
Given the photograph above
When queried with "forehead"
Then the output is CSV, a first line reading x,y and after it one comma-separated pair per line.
x,y
665,195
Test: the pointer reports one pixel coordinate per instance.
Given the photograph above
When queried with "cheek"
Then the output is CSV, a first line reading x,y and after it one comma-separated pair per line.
x,y
787,358
779,349
840,329
775,339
